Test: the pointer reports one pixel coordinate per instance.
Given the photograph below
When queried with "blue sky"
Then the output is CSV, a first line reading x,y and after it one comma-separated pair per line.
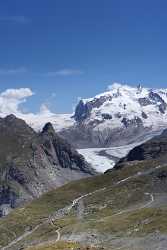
x,y
64,49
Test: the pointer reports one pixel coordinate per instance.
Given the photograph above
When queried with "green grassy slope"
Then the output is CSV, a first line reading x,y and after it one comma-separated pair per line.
x,y
120,207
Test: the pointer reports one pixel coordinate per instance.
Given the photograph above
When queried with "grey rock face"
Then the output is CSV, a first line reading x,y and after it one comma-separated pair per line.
x,y
155,148
106,116
32,163
83,110
83,136
136,121
144,115
144,101
155,97
7,196
162,107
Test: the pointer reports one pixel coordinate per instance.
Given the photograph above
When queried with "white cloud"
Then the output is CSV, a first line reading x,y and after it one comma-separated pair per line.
x,y
115,85
17,93
64,72
44,109
14,71
10,100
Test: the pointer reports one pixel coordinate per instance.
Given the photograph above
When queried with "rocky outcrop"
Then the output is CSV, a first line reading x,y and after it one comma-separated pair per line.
x,y
154,97
154,149
132,122
32,163
83,110
66,155
162,107
144,115
144,101
157,99
106,116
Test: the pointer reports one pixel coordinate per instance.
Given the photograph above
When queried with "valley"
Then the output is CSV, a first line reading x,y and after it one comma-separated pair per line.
x,y
83,125
108,197
122,209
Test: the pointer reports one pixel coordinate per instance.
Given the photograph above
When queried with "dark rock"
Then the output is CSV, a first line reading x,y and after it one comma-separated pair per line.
x,y
144,101
7,196
106,116
155,148
48,128
144,115
83,110
162,108
155,97
136,121
162,174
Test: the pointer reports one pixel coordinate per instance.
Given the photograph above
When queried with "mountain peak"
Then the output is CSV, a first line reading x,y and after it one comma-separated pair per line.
x,y
10,117
48,128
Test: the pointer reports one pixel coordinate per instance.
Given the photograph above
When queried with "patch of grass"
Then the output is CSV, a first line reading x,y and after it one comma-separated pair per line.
x,y
99,208
137,223
63,246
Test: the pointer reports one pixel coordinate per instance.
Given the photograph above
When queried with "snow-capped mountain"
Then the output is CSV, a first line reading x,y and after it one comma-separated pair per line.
x,y
119,116
124,105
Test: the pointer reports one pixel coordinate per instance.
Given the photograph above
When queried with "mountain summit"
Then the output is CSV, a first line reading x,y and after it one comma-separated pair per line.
x,y
119,116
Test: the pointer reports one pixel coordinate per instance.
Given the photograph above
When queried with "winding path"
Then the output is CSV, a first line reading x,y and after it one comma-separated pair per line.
x,y
50,220
141,207
76,201
57,231
21,237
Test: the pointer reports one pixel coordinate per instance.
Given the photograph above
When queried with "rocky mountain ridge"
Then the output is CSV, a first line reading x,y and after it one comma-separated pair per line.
x,y
153,149
32,163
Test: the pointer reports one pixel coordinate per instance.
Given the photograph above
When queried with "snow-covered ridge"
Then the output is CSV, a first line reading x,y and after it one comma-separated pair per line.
x,y
113,118
123,105
37,121
59,121
116,88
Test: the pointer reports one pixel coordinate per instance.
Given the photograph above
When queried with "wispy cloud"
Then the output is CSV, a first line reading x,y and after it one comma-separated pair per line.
x,y
64,72
21,70
15,19
14,71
